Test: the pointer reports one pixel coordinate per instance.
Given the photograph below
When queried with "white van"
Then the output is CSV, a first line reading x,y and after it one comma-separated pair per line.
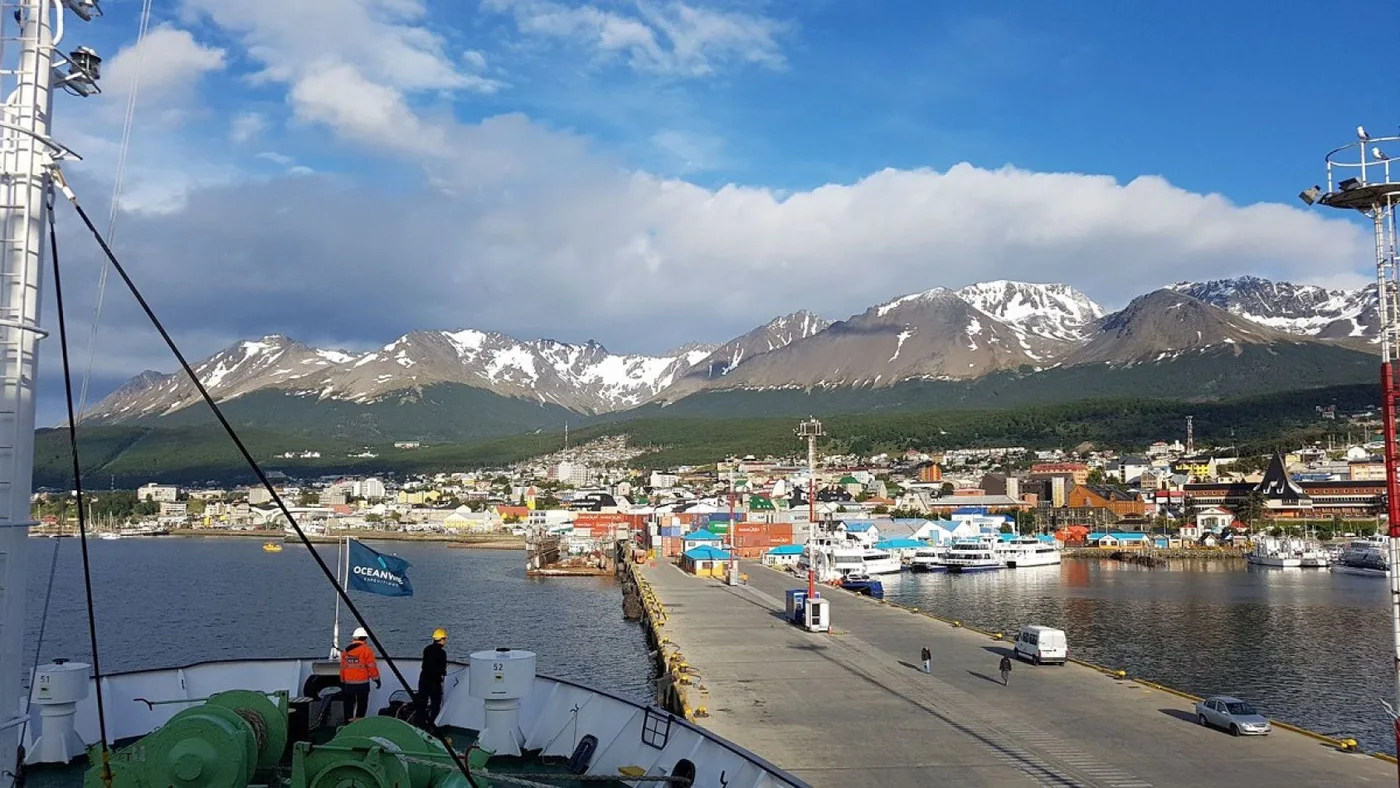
x,y
1041,645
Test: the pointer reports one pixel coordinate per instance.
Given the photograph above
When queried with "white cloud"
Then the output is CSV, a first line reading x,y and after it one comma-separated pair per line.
x,y
246,126
665,38
166,64
476,59
324,56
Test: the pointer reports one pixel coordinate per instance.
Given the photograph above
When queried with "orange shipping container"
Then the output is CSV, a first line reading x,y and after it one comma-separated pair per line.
x,y
774,539
750,528
780,529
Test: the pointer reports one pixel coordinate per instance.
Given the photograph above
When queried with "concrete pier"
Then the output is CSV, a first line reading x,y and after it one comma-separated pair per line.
x,y
855,708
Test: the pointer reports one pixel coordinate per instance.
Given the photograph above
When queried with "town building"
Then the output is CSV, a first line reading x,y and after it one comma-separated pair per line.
x,y
1283,497
158,492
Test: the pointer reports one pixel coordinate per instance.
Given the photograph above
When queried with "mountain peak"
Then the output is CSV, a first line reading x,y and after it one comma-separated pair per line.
x,y
1309,310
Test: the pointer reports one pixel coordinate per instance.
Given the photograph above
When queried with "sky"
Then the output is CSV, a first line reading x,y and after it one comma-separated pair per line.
x,y
651,173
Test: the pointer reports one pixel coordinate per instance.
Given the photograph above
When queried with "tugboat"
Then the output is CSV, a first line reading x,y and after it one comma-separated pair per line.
x,y
272,547
272,721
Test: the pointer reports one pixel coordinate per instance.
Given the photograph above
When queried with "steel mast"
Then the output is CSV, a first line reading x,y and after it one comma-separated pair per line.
x,y
1359,179
30,31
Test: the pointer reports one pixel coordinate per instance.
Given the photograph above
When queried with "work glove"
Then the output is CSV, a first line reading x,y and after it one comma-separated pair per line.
x,y
378,683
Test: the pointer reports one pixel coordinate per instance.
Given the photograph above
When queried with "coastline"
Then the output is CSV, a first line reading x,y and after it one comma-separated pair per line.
x,y
459,541
1108,554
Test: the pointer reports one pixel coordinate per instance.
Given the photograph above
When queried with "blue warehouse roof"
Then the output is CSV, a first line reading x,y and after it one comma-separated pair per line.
x,y
706,553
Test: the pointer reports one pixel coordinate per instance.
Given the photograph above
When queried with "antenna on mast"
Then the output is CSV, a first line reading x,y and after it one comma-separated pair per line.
x,y
1359,179
1190,438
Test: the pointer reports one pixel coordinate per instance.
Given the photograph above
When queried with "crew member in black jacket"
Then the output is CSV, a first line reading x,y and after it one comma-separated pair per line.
x,y
430,678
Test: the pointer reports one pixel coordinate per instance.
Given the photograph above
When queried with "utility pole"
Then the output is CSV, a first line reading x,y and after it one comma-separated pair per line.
x,y
811,429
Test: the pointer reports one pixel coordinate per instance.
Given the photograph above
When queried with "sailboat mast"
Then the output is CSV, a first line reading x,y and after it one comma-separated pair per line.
x,y
24,179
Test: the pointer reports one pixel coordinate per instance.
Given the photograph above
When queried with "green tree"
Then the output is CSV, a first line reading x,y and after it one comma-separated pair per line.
x,y
1253,509
308,497
1096,476
947,488
881,509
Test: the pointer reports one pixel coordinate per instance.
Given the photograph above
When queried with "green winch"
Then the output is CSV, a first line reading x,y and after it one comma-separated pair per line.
x,y
221,743
378,752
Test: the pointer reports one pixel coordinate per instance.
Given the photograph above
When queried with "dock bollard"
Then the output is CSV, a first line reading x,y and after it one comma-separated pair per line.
x,y
913,610
1347,745
957,623
1120,674
996,636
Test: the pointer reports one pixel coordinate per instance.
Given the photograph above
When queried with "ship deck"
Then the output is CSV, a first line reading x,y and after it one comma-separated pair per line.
x,y
72,774
854,707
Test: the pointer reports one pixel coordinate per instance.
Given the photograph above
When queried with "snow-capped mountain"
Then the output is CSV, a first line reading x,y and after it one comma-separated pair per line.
x,y
1045,317
585,378
936,334
1298,309
778,334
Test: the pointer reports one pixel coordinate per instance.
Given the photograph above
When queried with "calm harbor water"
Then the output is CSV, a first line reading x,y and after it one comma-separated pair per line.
x,y
1306,646
171,601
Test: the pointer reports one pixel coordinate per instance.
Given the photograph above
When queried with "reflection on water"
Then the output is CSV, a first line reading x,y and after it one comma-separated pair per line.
x,y
1307,646
171,601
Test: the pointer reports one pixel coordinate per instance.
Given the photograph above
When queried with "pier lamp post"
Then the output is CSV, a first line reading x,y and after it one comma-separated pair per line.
x,y
1359,179
811,429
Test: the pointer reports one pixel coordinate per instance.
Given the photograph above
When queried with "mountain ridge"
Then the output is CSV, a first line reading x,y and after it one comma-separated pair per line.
x,y
939,334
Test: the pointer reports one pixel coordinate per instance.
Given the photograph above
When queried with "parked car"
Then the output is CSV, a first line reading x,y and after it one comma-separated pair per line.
x,y
1233,715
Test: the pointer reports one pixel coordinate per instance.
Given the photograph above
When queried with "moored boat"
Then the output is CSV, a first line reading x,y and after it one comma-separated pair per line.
x,y
928,559
973,555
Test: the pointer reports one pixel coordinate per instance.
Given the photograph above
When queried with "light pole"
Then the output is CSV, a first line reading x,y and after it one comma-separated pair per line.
x,y
811,429
1363,183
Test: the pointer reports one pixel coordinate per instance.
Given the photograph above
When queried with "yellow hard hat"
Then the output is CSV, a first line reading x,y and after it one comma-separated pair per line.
x,y
439,634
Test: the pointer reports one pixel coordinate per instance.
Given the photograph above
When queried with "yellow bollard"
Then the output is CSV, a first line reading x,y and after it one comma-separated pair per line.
x,y
1120,675
997,635
957,623
1347,745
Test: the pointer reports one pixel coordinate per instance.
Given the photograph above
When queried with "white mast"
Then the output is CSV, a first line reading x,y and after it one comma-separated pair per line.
x,y
30,30
342,570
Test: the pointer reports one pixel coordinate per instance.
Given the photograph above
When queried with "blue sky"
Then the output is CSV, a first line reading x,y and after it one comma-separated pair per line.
x,y
651,173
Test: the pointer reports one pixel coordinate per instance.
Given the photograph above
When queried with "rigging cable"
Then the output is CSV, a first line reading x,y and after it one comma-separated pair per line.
x,y
252,464
120,178
78,490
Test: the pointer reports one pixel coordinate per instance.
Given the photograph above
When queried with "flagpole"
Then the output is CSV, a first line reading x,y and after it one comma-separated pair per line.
x,y
343,561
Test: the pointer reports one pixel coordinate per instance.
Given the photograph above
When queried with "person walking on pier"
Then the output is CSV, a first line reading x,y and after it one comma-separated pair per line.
x,y
927,657
430,678
1005,670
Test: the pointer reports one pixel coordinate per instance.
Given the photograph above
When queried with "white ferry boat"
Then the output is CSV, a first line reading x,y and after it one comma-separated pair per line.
x,y
929,559
1365,557
881,562
973,555
1024,551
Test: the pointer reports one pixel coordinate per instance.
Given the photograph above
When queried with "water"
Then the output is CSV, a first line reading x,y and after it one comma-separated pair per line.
x,y
1306,646
169,601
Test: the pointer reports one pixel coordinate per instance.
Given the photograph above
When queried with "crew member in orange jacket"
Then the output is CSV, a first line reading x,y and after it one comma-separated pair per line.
x,y
357,670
